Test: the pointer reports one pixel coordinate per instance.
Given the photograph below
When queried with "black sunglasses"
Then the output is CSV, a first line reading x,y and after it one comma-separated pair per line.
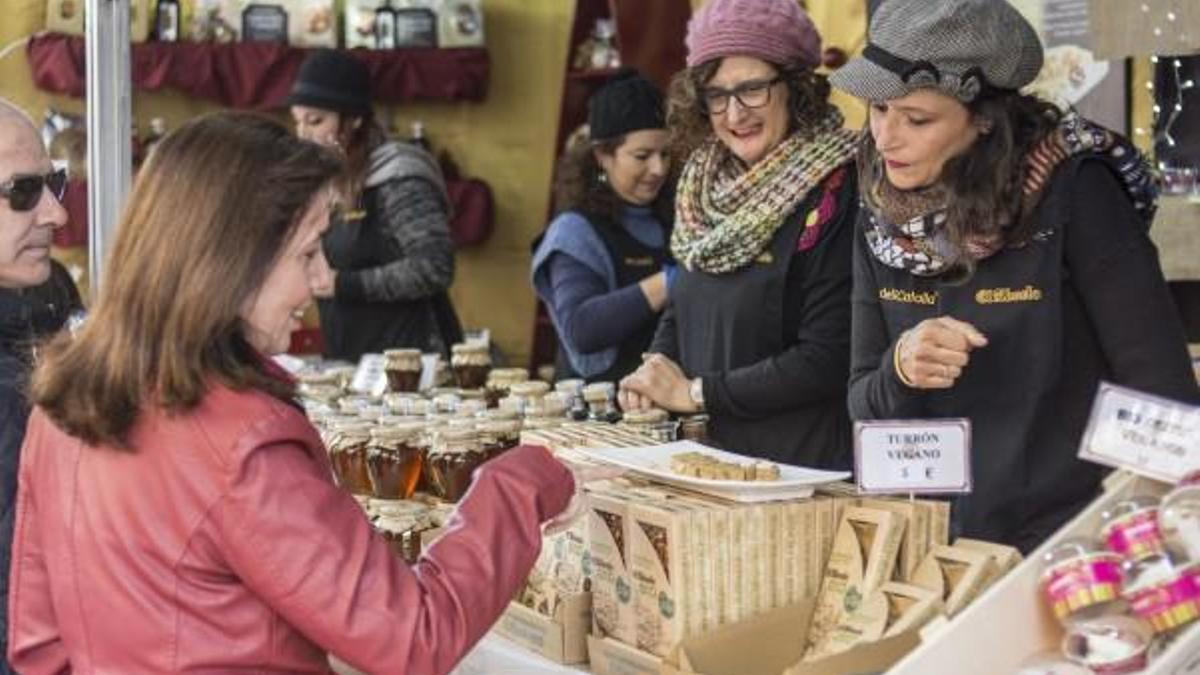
x,y
24,191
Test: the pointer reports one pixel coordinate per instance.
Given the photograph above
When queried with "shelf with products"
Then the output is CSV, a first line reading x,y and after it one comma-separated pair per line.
x,y
259,75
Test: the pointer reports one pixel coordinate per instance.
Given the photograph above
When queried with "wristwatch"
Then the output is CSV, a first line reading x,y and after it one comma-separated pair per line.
x,y
696,392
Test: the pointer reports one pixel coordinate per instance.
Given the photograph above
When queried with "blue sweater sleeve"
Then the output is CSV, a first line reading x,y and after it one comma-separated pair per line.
x,y
591,317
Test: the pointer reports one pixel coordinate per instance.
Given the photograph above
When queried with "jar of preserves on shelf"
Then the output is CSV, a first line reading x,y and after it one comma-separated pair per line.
x,y
402,532
470,363
499,436
1081,580
348,443
394,460
455,455
529,396
1130,529
601,402
403,368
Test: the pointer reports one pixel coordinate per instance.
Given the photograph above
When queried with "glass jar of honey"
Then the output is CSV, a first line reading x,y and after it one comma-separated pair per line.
x,y
347,443
394,460
455,455
403,369
470,364
499,436
500,380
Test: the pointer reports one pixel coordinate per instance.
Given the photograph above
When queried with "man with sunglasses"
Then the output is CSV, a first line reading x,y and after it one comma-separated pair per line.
x,y
30,210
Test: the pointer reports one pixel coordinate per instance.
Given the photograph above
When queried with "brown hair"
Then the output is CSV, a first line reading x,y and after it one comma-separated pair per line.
x,y
209,213
984,184
689,121
578,185
358,142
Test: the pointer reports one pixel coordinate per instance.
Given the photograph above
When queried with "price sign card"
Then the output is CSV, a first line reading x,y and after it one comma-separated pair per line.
x,y
370,378
913,456
1149,435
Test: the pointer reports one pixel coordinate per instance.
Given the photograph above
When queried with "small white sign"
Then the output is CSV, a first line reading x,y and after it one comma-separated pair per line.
x,y
1149,435
913,456
370,378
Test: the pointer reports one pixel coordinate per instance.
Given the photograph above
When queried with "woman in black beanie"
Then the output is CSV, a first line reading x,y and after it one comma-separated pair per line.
x,y
389,242
602,266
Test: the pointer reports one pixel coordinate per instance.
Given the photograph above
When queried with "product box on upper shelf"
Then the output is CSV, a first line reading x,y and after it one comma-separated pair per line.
x,y
460,23
67,16
304,23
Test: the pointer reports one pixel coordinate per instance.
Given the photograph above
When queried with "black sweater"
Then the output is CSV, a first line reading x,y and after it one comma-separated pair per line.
x,y
1088,303
771,341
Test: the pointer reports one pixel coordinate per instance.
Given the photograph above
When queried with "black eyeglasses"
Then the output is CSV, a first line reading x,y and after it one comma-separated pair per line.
x,y
24,191
752,94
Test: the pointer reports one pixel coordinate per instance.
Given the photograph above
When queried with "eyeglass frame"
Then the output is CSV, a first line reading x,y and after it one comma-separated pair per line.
x,y
9,187
737,92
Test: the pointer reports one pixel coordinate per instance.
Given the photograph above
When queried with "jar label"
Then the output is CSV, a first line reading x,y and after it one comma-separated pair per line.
x,y
1135,536
1075,584
1171,604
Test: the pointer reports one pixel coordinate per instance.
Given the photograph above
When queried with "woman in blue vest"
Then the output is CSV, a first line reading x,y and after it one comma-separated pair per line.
x,y
602,266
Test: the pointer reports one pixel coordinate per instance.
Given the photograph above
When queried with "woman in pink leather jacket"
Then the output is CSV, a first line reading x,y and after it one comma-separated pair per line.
x,y
176,511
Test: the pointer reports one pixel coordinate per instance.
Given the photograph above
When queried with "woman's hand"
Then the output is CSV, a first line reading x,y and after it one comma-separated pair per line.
x,y
933,354
659,382
583,474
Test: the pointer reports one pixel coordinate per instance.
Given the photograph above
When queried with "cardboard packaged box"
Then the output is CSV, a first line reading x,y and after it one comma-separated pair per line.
x,y
773,644
611,657
608,522
561,638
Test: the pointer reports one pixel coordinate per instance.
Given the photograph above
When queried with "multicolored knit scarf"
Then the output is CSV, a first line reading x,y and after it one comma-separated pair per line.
x,y
726,213
907,231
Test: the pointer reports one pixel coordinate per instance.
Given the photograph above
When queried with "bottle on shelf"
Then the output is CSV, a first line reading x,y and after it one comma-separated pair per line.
x,y
385,26
166,21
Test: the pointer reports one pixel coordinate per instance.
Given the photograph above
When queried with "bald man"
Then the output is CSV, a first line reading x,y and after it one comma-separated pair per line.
x,y
30,191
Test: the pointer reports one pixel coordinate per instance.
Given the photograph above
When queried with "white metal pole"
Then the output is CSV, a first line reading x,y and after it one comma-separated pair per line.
x,y
108,124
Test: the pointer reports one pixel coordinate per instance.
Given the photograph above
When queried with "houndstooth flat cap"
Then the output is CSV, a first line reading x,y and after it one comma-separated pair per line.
x,y
960,47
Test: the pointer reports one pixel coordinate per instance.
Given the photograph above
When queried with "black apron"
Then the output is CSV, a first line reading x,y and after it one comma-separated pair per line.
x,y
729,321
632,262
352,328
1025,428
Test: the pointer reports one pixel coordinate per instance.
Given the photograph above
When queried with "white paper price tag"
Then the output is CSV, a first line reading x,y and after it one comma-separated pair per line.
x,y
370,378
913,456
1146,434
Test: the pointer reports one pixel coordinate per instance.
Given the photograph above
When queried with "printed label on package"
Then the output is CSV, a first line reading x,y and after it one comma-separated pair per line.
x,y
1145,434
913,456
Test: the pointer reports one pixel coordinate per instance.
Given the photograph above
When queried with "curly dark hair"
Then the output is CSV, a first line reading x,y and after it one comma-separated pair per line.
x,y
688,119
984,184
578,185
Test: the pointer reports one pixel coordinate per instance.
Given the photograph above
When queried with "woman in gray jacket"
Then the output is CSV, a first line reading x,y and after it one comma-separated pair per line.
x,y
389,242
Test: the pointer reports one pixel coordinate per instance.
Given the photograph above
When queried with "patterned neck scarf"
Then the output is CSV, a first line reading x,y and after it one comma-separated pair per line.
x,y
907,231
727,213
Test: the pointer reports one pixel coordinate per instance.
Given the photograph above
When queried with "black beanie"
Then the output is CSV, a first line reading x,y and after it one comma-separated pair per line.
x,y
628,102
333,80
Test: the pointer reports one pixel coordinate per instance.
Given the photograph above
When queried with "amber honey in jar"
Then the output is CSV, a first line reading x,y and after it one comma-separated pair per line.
x,y
394,460
347,442
455,455
403,368
425,443
470,363
403,533
499,436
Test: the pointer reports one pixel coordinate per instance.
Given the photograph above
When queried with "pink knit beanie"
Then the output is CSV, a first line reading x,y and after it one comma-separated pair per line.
x,y
772,30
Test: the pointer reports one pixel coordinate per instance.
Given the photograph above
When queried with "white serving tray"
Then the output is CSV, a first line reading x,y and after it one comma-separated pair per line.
x,y
654,461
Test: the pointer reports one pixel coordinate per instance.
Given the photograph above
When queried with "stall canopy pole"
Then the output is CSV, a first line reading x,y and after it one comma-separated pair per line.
x,y
108,124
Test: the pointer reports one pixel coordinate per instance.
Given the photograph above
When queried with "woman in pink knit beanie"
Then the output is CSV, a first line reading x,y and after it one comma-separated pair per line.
x,y
756,332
